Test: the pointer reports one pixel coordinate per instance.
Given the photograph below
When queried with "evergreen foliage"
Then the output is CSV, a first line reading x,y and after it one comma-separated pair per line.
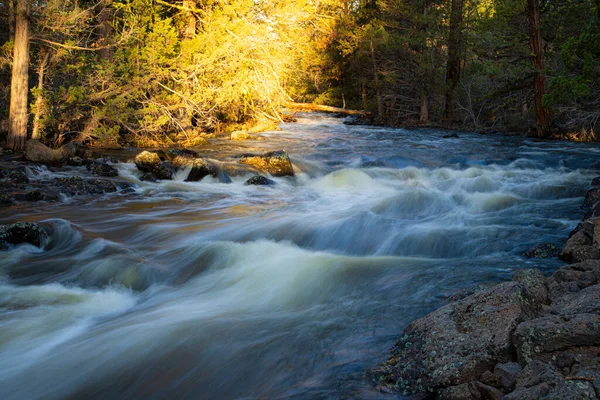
x,y
146,72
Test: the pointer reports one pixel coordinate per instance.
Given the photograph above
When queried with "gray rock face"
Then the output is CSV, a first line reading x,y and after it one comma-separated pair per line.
x,y
582,245
531,338
457,343
150,163
584,242
592,197
22,232
507,374
546,250
276,163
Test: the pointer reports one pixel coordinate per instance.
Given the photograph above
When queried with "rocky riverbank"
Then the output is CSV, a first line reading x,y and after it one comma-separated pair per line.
x,y
535,337
82,174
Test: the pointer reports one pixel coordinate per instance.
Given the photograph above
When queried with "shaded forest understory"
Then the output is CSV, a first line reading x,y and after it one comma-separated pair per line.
x,y
157,72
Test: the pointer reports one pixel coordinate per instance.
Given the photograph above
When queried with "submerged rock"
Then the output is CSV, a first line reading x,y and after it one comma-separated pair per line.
x,y
102,169
451,136
6,200
259,180
18,177
276,163
38,195
78,186
150,163
75,161
546,250
22,232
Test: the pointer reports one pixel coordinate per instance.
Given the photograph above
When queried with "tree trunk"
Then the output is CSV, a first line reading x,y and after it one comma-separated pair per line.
x,y
424,110
542,117
104,30
40,108
363,93
19,86
11,20
454,50
377,85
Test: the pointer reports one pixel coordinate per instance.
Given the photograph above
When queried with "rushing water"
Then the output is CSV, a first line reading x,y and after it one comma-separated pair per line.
x,y
220,291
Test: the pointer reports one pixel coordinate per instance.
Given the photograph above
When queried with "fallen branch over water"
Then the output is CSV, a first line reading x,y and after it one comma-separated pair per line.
x,y
318,107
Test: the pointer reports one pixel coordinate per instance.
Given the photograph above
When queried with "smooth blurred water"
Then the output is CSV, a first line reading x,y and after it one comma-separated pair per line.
x,y
209,290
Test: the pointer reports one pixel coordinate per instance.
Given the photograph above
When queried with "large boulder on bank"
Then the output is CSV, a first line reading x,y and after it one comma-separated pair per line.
x,y
276,163
36,151
584,244
457,343
22,232
150,163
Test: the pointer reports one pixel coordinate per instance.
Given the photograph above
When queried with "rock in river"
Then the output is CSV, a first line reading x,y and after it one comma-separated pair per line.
x,y
276,163
150,163
22,232
259,180
102,169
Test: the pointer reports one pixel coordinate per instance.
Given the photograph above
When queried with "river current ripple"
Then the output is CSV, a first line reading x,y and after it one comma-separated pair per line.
x,y
219,291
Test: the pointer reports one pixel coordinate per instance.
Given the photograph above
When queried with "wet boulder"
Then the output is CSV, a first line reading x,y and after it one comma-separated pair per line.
x,y
457,343
546,250
470,391
240,135
75,161
584,244
259,180
451,136
78,186
38,195
150,163
592,197
232,169
200,168
573,278
276,163
18,177
22,232
36,151
148,177
6,200
102,169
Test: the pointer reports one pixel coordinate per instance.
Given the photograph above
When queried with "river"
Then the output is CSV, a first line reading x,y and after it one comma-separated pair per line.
x,y
223,291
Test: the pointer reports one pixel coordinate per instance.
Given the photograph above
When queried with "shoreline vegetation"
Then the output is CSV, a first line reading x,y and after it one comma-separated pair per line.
x,y
148,73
